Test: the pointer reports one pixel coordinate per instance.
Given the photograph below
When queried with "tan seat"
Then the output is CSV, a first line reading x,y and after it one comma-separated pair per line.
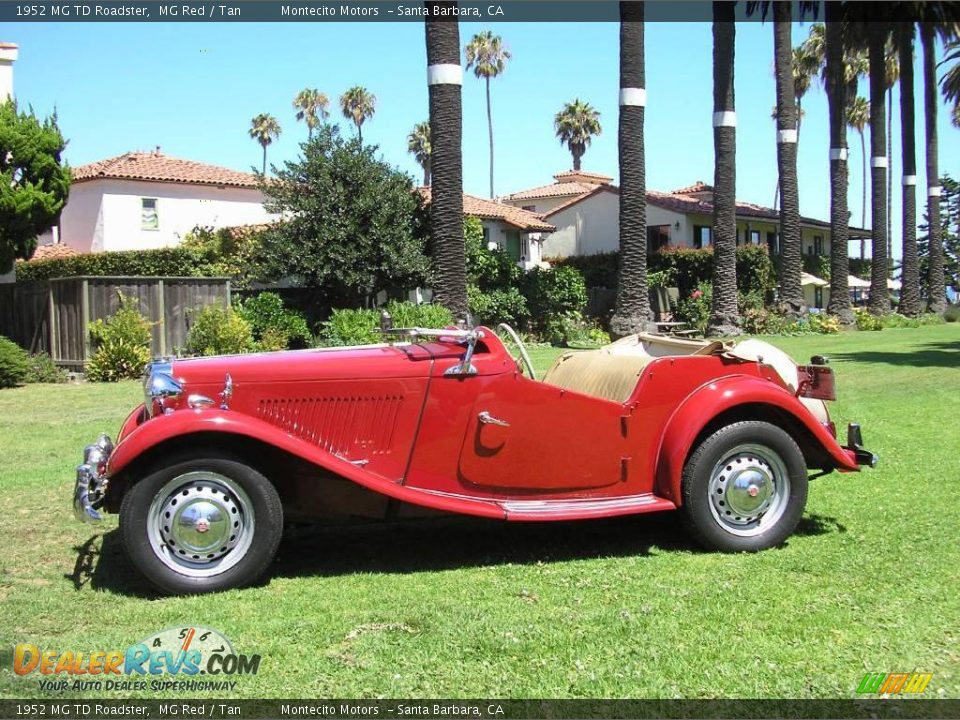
x,y
612,372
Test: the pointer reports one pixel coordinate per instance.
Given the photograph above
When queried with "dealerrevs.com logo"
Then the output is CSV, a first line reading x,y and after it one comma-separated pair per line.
x,y
902,683
173,659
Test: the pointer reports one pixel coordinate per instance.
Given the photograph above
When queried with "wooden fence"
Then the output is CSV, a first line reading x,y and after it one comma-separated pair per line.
x,y
52,316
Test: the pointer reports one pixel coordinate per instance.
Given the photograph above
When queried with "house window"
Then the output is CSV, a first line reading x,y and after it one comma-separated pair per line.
x,y
702,236
818,297
754,237
818,245
149,219
658,236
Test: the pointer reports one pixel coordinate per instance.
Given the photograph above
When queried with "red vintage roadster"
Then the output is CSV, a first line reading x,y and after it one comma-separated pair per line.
x,y
224,450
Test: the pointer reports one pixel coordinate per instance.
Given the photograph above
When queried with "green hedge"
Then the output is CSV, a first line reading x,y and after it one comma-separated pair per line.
x,y
163,262
687,267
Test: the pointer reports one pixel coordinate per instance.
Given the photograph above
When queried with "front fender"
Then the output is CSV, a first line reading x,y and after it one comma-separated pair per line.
x,y
709,401
182,423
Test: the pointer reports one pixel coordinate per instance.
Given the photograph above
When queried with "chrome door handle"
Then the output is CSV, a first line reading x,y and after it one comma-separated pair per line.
x,y
488,419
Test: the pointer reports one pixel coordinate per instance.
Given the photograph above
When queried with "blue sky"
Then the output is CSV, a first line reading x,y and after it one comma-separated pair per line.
x,y
192,88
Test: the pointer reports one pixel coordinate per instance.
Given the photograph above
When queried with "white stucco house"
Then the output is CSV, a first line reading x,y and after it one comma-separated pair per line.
x,y
145,200
8,56
585,208
517,231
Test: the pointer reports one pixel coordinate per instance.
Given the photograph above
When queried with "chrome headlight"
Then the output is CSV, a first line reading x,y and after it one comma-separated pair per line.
x,y
159,385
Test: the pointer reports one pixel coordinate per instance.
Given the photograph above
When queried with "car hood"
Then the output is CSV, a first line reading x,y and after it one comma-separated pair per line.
x,y
369,361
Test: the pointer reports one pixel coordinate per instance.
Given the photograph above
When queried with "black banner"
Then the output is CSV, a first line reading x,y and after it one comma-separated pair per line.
x,y
485,709
414,11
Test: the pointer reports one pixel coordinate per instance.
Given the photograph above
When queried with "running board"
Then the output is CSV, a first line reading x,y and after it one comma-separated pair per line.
x,y
583,508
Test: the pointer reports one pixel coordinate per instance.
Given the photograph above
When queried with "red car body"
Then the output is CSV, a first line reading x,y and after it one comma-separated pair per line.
x,y
401,422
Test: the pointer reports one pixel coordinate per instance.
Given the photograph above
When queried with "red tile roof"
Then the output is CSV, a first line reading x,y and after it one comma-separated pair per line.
x,y
698,187
490,210
156,167
570,182
53,252
600,178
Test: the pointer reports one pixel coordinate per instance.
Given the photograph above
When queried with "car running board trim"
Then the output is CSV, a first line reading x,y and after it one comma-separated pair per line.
x,y
584,508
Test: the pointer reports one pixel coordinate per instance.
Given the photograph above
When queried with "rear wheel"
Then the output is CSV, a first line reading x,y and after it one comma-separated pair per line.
x,y
202,525
744,487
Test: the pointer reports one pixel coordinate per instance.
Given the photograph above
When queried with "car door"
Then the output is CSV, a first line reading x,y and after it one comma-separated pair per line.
x,y
525,436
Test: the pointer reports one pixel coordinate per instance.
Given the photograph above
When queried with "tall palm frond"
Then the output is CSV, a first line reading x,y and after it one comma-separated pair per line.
x,y
576,125
311,106
488,57
358,105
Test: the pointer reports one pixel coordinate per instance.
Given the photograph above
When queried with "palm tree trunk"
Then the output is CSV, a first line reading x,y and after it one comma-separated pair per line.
x,y
426,174
632,312
879,266
264,160
863,196
889,181
577,154
837,92
360,132
910,293
724,318
791,292
446,136
936,290
490,133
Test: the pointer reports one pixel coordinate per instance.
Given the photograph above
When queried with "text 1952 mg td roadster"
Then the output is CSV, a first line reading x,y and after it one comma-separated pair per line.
x,y
224,450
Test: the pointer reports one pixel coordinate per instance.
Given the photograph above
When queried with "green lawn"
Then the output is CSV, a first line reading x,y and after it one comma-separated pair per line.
x,y
466,608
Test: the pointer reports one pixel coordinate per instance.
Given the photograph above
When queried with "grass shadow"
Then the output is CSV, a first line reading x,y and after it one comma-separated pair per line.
x,y
937,354
427,546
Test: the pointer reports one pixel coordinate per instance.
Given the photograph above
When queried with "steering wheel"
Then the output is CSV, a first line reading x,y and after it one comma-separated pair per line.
x,y
521,347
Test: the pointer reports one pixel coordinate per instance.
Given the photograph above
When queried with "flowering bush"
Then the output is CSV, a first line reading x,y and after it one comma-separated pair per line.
x,y
695,308
123,345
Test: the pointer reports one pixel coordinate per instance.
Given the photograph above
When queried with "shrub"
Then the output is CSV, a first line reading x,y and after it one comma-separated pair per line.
x,y
551,293
268,318
599,270
571,328
867,321
694,308
824,324
122,344
487,269
179,261
952,314
362,326
498,306
44,370
219,331
14,364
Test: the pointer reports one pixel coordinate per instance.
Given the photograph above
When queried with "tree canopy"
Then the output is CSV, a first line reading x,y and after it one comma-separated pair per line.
x,y
34,184
352,224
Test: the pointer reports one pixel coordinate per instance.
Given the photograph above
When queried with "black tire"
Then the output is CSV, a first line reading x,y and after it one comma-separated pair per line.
x,y
261,502
702,511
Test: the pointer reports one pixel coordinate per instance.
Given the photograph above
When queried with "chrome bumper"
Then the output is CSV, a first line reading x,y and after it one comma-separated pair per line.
x,y
91,483
855,445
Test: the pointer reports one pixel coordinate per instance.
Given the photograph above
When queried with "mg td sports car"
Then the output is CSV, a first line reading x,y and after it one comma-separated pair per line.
x,y
223,451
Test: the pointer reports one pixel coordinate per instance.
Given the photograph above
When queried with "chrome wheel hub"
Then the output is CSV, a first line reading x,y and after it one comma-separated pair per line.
x,y
200,524
749,489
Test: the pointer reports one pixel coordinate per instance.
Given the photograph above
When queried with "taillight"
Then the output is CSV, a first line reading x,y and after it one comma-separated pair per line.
x,y
817,382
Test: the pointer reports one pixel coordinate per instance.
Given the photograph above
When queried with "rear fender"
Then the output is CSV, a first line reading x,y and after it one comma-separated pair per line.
x,y
183,423
709,401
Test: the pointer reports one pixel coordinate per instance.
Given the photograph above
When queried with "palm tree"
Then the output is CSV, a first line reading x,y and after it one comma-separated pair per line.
x,y
444,78
910,292
488,58
788,64
418,145
838,88
358,105
311,106
575,125
936,290
892,75
632,312
724,317
805,67
264,128
877,43
858,115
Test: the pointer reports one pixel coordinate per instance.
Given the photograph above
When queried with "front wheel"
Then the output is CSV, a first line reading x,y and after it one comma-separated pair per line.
x,y
744,488
202,525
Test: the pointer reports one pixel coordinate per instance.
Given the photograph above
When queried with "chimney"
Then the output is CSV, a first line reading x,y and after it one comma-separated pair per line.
x,y
8,56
